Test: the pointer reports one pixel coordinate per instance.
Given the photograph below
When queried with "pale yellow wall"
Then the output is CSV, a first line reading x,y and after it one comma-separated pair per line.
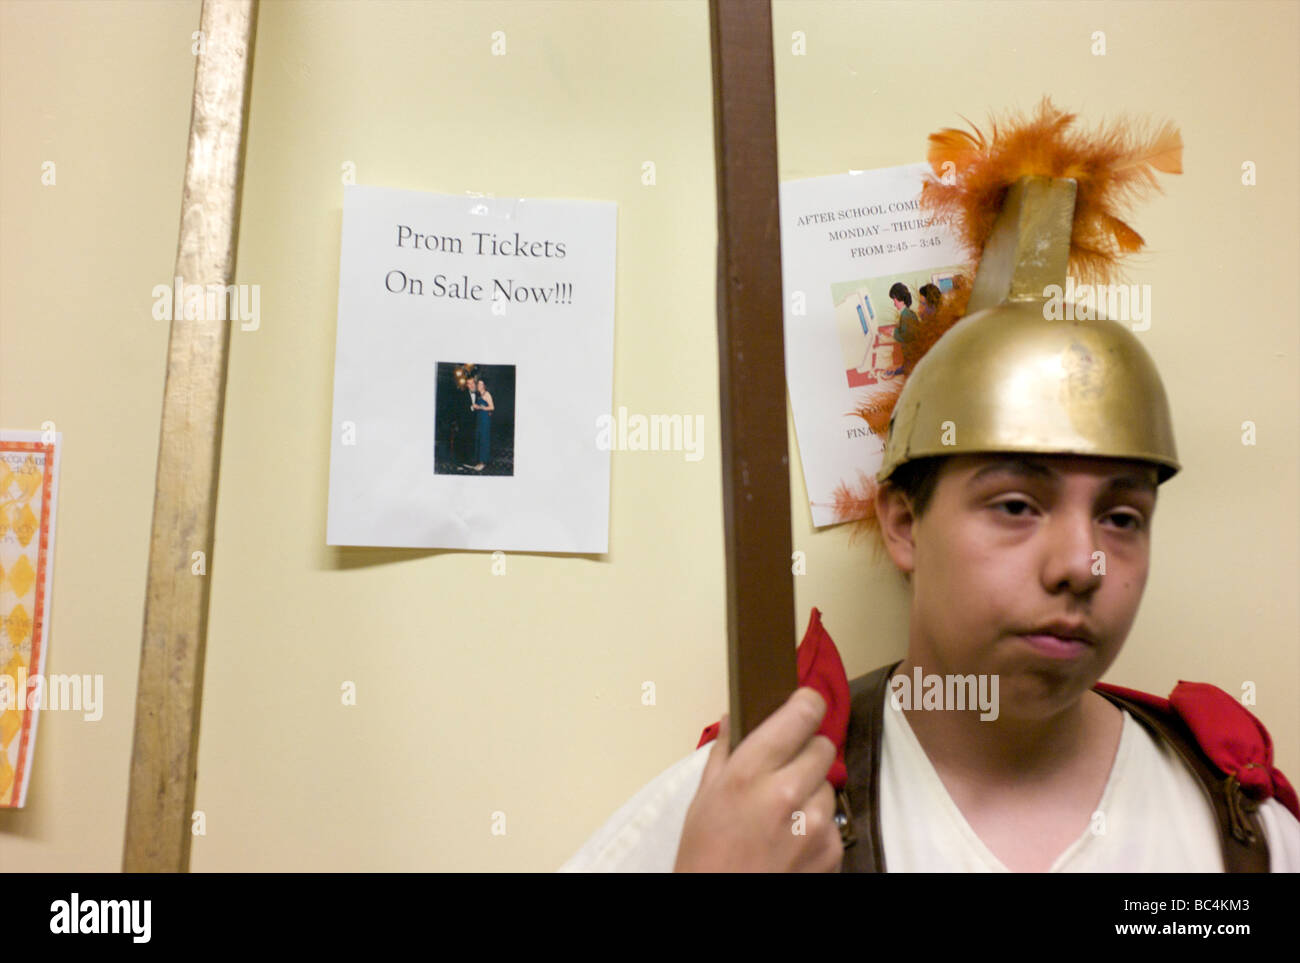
x,y
102,90
522,693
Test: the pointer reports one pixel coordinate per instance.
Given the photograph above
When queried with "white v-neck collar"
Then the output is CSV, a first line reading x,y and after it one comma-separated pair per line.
x,y
896,724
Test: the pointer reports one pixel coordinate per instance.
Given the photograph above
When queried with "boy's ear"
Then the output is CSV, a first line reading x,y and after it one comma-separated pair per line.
x,y
897,522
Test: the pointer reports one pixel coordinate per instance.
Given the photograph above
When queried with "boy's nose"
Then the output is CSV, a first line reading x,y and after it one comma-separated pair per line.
x,y
1070,558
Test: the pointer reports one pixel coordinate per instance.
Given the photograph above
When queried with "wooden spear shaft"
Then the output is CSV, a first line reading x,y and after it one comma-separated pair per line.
x,y
751,363
168,701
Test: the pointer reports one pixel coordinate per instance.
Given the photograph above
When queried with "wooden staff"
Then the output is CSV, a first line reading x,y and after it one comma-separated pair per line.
x,y
751,366
164,753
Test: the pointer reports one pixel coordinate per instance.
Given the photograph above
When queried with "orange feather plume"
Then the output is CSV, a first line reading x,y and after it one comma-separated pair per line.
x,y
1114,168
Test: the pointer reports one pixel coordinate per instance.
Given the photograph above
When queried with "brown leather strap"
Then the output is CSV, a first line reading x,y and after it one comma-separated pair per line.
x,y
1241,834
1244,846
862,759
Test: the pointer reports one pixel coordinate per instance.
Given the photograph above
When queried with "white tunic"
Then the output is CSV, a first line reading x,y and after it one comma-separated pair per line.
x,y
1156,817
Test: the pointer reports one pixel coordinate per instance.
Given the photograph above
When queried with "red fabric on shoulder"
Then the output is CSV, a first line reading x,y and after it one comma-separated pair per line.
x,y
819,667
1234,740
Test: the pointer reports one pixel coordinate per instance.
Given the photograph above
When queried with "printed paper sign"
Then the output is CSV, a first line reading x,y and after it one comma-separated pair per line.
x,y
29,491
474,360
856,253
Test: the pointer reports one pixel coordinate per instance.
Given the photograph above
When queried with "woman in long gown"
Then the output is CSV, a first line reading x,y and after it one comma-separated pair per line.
x,y
485,407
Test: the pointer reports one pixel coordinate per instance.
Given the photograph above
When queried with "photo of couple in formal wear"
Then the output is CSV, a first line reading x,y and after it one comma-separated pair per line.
x,y
474,419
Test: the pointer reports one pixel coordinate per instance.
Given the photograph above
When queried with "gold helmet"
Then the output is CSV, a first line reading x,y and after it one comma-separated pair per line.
x,y
1012,376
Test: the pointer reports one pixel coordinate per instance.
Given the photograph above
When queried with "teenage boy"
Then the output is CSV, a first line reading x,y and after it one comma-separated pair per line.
x,y
1001,555
1017,497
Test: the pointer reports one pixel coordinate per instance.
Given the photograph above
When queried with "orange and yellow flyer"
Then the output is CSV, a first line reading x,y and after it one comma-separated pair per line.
x,y
29,481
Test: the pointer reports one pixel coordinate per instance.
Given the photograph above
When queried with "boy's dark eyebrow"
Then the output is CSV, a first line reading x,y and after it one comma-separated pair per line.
x,y
1032,469
1132,483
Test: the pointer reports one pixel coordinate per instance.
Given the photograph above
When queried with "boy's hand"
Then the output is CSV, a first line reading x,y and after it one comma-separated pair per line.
x,y
768,806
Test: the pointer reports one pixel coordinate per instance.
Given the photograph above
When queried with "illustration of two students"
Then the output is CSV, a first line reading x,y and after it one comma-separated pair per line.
x,y
480,401
908,328
908,321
